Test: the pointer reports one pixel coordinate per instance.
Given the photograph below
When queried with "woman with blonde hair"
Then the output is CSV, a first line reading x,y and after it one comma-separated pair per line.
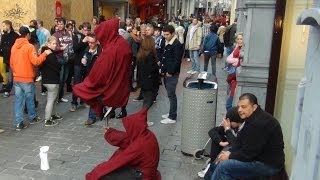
x,y
50,70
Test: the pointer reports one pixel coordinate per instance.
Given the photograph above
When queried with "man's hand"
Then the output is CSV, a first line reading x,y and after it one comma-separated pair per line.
x,y
48,51
168,75
223,144
224,155
84,61
226,124
85,39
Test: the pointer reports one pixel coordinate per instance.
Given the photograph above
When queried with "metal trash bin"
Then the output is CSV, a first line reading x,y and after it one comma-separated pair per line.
x,y
199,111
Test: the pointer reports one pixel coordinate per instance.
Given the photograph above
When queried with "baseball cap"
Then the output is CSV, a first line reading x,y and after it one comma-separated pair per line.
x,y
24,30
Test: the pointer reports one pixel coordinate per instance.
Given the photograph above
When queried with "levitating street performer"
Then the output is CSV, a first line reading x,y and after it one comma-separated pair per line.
x,y
138,155
107,82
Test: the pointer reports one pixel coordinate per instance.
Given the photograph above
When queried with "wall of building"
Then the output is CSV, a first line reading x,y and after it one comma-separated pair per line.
x,y
20,12
291,69
80,11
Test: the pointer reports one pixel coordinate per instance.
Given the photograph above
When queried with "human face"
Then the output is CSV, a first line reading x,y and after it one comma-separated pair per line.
x,y
157,33
92,43
168,36
5,27
239,40
143,32
194,21
52,45
128,22
61,26
94,21
245,108
134,31
86,31
149,31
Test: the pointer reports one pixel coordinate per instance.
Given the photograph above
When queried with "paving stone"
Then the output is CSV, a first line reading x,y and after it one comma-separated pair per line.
x,y
68,158
14,171
31,167
79,148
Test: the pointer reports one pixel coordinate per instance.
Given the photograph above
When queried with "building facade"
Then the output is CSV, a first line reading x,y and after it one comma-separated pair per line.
x,y
20,12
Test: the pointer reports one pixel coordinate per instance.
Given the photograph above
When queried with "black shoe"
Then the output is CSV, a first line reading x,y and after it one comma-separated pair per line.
x,y
138,99
50,123
89,122
56,117
112,114
36,120
122,114
21,126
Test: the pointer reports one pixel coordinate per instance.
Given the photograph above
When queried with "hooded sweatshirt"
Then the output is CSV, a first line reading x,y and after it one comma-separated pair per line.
x,y
138,148
23,59
108,81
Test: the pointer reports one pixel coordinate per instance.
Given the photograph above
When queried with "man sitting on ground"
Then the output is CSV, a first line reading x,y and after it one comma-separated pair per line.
x,y
258,149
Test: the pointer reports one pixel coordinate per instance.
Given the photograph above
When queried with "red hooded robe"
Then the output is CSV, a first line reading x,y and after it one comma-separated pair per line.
x,y
108,81
138,147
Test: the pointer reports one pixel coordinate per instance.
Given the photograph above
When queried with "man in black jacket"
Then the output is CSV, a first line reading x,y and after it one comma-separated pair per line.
x,y
80,44
171,62
258,150
7,41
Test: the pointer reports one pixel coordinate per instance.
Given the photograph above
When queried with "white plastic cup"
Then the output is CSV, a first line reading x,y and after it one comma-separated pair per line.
x,y
44,158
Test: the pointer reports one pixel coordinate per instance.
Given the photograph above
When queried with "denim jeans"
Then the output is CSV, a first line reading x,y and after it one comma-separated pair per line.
x,y
24,91
64,72
171,84
53,90
194,56
92,115
213,58
77,78
9,85
233,169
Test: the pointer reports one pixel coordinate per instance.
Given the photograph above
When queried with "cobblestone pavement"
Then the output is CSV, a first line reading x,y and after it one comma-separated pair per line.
x,y
75,149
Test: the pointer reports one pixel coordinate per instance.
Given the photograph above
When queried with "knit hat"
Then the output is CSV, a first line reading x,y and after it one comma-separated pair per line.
x,y
233,115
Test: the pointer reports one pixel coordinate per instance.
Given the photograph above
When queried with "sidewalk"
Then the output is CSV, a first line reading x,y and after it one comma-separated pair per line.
x,y
75,149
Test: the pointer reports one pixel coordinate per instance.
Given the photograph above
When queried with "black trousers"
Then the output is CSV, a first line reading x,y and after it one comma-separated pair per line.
x,y
127,173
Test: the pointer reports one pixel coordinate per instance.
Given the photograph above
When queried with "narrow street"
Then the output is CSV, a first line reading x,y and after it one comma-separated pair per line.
x,y
75,149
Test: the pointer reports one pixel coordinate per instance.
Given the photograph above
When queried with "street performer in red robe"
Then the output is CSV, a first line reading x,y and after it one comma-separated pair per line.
x,y
138,153
108,81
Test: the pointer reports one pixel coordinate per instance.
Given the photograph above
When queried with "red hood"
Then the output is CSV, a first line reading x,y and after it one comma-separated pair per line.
x,y
136,124
107,31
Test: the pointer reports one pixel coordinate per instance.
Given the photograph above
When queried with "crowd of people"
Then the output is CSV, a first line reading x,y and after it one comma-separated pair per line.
x,y
96,62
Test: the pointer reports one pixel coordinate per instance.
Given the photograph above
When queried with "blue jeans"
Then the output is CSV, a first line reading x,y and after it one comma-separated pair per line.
x,y
194,56
171,84
24,91
232,169
92,115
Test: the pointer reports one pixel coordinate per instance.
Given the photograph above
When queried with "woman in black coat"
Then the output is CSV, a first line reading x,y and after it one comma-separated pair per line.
x,y
148,71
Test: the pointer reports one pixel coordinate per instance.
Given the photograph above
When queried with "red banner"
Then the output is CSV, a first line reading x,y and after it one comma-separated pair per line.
x,y
58,9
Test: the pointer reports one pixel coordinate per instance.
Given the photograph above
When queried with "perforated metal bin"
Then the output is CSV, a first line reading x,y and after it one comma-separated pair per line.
x,y
199,112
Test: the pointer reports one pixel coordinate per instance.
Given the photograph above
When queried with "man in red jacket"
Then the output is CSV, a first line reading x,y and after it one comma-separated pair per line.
x,y
138,153
107,82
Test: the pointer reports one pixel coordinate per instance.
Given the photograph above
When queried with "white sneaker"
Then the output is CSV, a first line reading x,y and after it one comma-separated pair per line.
x,y
150,123
165,116
2,130
189,72
202,173
39,78
195,72
168,121
64,100
44,93
188,59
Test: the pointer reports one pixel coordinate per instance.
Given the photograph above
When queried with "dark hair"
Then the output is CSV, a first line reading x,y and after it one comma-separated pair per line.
x,y
168,28
233,115
122,25
61,19
73,22
34,22
80,27
9,23
251,97
92,35
87,25
69,25
96,18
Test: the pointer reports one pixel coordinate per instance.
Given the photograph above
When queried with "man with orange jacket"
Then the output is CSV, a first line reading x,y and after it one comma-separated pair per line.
x,y
22,61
